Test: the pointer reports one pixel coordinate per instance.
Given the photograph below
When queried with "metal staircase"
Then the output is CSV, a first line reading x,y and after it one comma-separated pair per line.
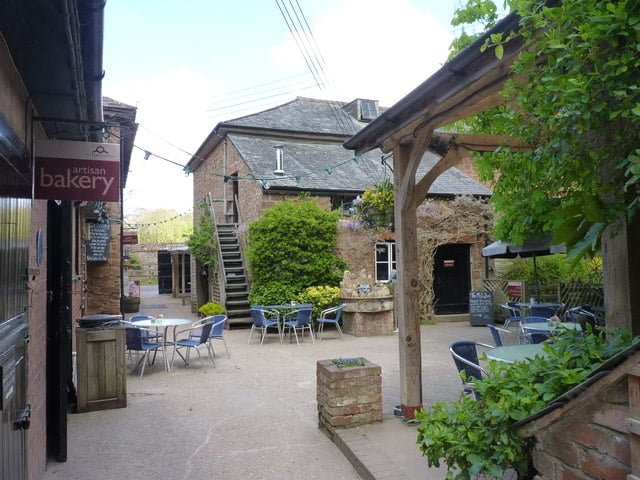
x,y
236,288
229,286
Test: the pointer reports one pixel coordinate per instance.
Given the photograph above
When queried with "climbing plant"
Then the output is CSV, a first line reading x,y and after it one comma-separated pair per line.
x,y
202,242
463,220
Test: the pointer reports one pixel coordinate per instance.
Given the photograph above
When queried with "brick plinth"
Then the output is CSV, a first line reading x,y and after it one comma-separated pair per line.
x,y
367,324
348,397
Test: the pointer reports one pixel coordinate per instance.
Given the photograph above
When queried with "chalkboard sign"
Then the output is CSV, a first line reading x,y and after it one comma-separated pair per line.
x,y
480,307
98,242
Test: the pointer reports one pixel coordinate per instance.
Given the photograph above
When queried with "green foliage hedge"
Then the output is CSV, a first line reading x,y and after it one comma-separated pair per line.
x,y
290,249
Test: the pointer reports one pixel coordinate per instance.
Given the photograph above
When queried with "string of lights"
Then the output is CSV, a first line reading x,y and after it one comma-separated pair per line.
x,y
263,180
158,222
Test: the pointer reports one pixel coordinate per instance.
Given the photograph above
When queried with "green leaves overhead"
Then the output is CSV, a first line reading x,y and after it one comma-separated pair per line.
x,y
574,101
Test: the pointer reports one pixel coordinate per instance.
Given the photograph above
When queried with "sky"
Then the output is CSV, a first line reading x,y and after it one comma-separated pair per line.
x,y
189,65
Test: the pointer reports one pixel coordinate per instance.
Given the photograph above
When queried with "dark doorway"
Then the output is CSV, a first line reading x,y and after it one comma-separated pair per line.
x,y
236,193
451,279
164,272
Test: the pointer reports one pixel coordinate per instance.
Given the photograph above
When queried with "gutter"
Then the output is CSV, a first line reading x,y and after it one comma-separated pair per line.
x,y
417,102
91,16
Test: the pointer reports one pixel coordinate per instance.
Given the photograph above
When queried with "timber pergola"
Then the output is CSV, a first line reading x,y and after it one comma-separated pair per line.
x,y
467,84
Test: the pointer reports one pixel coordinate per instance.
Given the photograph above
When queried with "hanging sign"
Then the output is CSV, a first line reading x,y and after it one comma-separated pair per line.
x,y
67,170
514,289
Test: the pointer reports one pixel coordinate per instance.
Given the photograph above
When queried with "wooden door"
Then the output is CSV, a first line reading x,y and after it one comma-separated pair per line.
x,y
102,382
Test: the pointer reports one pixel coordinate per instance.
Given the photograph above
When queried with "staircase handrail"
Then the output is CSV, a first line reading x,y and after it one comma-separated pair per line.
x,y
220,264
241,239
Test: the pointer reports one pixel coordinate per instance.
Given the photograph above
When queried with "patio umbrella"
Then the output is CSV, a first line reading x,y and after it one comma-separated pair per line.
x,y
529,249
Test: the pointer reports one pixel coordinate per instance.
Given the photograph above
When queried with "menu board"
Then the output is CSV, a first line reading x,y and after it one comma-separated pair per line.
x,y
98,242
481,307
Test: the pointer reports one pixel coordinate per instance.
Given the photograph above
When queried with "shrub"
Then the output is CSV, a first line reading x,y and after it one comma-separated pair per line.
x,y
292,245
320,297
211,308
375,209
202,242
271,293
478,437
552,270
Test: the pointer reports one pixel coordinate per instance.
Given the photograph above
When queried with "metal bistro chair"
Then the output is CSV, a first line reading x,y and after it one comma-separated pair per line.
x,y
331,316
301,321
511,314
136,341
217,331
189,342
154,335
533,336
263,320
465,357
497,333
546,311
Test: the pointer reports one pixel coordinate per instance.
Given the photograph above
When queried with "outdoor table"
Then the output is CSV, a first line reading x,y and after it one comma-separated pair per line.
x,y
291,307
551,327
164,323
515,353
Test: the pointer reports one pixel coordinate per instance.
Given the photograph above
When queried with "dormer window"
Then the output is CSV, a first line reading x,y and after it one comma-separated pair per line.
x,y
279,160
368,110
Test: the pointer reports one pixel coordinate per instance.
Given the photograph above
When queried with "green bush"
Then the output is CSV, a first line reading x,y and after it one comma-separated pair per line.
x,y
291,247
552,270
478,437
134,263
271,293
320,297
211,308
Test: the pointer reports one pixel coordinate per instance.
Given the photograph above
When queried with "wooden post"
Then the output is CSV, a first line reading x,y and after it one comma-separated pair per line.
x,y
621,263
408,304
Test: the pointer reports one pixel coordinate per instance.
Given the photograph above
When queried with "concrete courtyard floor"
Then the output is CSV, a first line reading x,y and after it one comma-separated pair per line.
x,y
254,415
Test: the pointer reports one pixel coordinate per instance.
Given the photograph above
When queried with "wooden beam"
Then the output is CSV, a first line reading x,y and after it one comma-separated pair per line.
x,y
407,157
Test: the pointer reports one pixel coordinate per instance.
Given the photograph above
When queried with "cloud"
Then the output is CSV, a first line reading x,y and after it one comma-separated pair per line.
x,y
172,125
373,49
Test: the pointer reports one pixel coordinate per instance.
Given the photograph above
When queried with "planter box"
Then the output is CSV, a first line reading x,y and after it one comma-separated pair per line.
x,y
348,397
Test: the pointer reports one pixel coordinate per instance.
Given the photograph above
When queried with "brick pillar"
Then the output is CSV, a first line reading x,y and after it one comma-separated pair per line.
x,y
350,396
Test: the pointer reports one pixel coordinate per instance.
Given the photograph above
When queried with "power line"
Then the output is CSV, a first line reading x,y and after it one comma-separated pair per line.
x,y
310,51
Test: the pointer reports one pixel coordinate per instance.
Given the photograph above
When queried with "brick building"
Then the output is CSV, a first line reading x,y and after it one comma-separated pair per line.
x,y
51,91
249,164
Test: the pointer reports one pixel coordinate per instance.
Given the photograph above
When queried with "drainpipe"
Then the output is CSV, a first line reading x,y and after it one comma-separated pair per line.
x,y
224,187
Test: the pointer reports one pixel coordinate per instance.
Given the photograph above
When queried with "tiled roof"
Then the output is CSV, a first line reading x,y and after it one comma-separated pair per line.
x,y
303,115
307,161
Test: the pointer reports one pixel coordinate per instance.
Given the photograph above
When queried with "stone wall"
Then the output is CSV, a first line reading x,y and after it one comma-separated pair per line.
x,y
103,278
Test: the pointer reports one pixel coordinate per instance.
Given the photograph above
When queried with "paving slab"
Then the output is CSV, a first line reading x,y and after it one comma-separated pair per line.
x,y
254,415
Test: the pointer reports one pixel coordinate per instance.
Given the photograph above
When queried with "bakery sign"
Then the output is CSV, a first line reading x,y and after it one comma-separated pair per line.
x,y
67,170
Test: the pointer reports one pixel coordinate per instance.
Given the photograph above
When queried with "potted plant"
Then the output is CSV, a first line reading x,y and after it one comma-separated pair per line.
x,y
211,308
130,304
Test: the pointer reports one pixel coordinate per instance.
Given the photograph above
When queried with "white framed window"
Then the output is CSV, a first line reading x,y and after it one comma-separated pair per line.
x,y
385,261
